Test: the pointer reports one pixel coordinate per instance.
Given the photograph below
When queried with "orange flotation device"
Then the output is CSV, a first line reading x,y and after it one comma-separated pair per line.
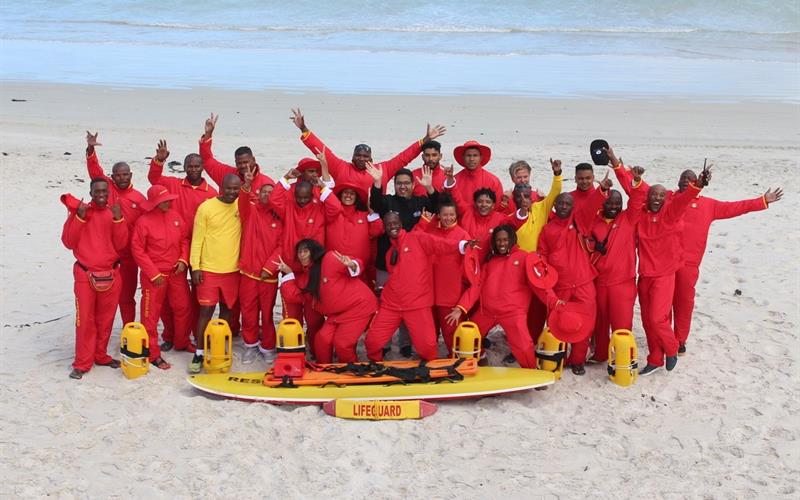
x,y
377,373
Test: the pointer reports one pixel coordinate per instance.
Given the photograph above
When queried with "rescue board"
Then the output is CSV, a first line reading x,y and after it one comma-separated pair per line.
x,y
487,381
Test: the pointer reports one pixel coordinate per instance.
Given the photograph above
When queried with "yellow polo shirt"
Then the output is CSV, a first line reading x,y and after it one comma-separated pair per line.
x,y
528,233
216,235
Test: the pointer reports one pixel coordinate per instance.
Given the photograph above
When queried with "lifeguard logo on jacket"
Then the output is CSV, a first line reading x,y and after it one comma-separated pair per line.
x,y
405,249
274,225
694,205
516,262
177,223
360,221
310,221
324,280
133,205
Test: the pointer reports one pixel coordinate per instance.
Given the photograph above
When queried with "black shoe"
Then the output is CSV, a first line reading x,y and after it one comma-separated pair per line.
x,y
486,343
386,351
405,351
648,370
112,364
166,346
483,361
578,370
76,374
671,362
681,349
509,359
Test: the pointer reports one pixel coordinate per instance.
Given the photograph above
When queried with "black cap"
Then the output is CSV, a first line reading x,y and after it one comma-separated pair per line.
x,y
599,156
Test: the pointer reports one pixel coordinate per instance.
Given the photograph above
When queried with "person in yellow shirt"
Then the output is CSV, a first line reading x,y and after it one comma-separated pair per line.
x,y
214,258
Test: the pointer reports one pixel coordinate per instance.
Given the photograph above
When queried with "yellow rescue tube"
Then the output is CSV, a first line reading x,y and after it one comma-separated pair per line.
x,y
218,356
623,366
134,350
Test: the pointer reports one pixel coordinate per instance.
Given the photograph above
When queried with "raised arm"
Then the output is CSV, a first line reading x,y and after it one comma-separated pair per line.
x,y
336,165
93,166
462,205
730,209
156,172
555,186
391,166
214,168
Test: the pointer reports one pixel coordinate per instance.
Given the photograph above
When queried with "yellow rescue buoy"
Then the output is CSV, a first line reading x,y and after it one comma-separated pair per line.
x,y
467,341
218,356
291,346
550,353
623,366
134,350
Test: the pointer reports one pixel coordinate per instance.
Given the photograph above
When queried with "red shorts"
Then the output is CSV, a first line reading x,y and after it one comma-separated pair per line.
x,y
217,288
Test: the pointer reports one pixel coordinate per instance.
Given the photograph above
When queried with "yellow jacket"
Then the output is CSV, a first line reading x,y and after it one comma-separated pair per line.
x,y
528,233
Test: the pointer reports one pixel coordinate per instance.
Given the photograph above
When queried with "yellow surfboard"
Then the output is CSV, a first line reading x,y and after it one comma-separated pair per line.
x,y
488,381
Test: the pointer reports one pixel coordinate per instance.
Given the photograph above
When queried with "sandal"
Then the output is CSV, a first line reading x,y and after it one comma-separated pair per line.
x,y
161,364
111,364
578,370
76,374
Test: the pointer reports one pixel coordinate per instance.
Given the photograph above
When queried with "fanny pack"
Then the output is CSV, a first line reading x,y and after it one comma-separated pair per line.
x,y
101,281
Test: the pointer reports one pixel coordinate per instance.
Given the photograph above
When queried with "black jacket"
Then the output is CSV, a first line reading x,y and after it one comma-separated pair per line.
x,y
409,210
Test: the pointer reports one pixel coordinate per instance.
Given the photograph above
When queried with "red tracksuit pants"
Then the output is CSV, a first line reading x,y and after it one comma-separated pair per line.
x,y
614,309
655,299
128,272
448,330
257,300
420,326
516,328
683,301
94,318
339,335
176,290
587,295
537,316
313,319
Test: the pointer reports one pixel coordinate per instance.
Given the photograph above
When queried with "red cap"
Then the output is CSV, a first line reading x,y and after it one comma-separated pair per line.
x,y
486,153
307,163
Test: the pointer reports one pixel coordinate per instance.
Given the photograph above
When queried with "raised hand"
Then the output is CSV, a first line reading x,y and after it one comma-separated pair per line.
x,y
556,166
772,196
637,172
116,211
299,120
81,210
454,316
606,183
162,153
376,173
705,175
211,124
282,266
433,133
91,140
346,261
293,173
249,175
426,180
180,268
323,163
448,172
612,158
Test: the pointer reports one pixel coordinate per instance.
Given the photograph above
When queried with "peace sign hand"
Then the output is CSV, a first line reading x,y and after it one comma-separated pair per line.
x,y
346,261
211,124
282,267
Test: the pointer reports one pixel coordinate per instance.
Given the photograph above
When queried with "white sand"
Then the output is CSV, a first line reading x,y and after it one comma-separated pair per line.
x,y
725,423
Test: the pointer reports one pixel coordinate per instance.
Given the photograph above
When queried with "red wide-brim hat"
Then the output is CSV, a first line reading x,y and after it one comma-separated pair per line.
x,y
157,194
362,195
540,274
571,322
307,163
486,152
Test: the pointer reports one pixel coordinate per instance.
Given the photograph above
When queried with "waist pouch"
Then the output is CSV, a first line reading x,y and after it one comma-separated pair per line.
x,y
101,281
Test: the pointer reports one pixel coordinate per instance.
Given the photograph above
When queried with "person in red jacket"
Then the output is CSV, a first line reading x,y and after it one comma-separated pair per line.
x,y
562,243
330,282
504,295
354,172
696,223
191,191
262,230
474,156
660,256
584,181
96,235
614,257
477,213
160,245
303,218
408,294
431,158
449,281
130,200
243,157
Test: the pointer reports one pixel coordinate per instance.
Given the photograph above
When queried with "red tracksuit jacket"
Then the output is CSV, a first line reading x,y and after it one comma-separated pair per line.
x,y
410,284
345,172
449,282
469,181
341,296
659,234
580,197
701,213
218,170
301,222
562,243
189,197
160,240
503,287
262,233
619,263
97,241
352,232
437,176
478,226
130,200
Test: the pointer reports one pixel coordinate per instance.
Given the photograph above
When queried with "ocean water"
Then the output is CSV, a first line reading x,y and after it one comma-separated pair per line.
x,y
717,49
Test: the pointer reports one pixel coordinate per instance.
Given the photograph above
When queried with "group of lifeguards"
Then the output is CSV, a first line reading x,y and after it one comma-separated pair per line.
x,y
348,259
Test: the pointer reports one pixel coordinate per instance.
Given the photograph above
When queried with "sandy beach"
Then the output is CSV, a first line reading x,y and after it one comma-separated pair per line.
x,y
725,423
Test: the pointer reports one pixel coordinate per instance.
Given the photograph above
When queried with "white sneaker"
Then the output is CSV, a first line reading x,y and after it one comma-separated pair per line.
x,y
250,355
269,355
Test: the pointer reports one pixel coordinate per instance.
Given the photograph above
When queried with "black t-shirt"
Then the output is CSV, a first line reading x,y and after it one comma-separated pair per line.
x,y
409,210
